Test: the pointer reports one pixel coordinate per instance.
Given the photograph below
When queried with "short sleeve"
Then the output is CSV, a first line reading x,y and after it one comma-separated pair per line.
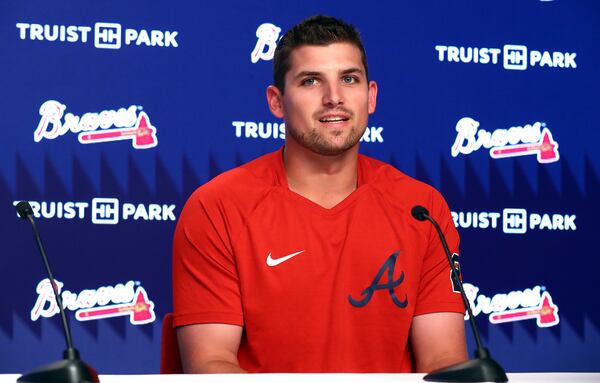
x,y
437,292
205,279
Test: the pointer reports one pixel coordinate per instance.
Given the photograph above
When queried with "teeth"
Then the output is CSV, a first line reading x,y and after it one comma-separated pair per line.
x,y
331,119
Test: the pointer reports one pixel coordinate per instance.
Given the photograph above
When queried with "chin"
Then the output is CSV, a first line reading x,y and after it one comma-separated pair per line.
x,y
333,150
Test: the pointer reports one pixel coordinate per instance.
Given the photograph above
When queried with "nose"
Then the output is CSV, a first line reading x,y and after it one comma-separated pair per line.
x,y
332,95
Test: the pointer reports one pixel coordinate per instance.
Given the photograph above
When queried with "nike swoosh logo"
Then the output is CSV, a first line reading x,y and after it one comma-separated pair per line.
x,y
274,262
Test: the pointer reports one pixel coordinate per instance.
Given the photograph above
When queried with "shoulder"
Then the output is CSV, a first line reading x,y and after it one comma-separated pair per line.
x,y
399,189
254,177
386,177
240,188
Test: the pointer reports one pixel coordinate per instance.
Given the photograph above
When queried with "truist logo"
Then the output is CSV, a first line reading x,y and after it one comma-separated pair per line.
x,y
100,303
105,126
535,139
104,35
513,56
102,210
514,220
267,35
276,130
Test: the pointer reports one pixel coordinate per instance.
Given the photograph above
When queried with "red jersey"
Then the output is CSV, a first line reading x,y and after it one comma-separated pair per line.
x,y
316,289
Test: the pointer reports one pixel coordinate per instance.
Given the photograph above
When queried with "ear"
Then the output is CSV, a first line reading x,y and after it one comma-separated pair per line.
x,y
274,100
372,96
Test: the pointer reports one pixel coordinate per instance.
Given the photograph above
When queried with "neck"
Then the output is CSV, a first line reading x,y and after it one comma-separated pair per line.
x,y
325,180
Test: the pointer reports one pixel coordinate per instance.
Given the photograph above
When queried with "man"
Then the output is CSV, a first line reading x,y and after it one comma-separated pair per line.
x,y
308,259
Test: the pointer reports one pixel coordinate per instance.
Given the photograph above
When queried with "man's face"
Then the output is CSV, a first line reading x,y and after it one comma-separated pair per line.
x,y
327,98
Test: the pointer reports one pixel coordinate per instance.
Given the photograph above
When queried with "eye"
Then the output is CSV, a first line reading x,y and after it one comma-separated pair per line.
x,y
349,79
309,81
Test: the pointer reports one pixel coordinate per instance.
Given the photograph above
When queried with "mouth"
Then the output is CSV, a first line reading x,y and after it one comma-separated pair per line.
x,y
334,119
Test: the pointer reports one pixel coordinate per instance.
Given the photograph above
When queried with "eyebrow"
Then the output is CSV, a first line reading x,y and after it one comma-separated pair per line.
x,y
353,70
314,73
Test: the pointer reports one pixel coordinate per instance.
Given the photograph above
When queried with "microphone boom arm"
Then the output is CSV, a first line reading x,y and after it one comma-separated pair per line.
x,y
481,369
57,296
456,278
71,369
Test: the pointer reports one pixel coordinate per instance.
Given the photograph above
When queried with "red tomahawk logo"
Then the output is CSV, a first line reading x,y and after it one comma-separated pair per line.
x,y
546,314
140,311
143,135
546,149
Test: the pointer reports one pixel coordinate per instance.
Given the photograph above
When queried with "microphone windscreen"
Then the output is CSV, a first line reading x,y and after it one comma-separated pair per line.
x,y
24,209
419,212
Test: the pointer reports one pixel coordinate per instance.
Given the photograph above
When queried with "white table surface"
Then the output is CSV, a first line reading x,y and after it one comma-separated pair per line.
x,y
324,378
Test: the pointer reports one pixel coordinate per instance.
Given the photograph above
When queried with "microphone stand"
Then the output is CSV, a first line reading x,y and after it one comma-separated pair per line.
x,y
481,369
71,369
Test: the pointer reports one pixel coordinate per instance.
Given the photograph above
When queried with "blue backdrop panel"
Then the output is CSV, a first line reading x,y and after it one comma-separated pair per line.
x,y
113,113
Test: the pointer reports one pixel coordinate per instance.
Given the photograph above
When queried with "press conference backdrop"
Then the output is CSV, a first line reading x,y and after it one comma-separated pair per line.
x,y
114,112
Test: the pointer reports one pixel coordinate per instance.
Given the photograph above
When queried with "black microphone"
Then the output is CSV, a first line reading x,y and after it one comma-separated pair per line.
x,y
71,368
481,369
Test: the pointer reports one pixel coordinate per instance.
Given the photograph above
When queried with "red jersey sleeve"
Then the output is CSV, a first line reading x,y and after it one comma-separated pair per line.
x,y
205,279
437,292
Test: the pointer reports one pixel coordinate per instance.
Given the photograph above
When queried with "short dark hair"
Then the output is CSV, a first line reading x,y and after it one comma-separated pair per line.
x,y
316,30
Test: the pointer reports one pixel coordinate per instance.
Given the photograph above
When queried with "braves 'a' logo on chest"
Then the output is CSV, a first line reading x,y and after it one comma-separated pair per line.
x,y
391,284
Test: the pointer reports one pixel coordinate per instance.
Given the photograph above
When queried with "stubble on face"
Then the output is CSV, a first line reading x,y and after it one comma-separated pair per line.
x,y
327,98
319,142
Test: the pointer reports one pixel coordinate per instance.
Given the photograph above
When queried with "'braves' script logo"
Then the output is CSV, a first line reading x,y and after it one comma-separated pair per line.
x,y
267,34
391,284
